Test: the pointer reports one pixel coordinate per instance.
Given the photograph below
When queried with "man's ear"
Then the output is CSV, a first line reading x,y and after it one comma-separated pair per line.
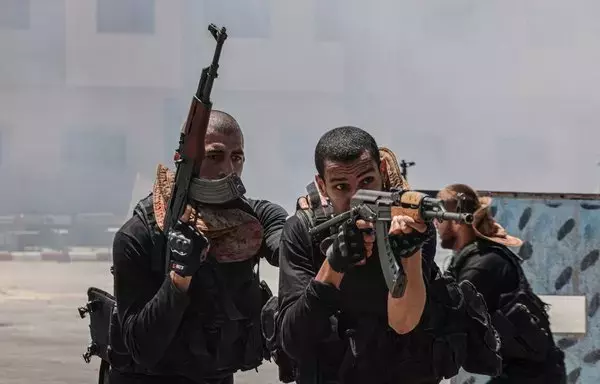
x,y
321,185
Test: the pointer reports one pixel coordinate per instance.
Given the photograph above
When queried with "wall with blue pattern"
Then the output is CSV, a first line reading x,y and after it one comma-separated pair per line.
x,y
561,251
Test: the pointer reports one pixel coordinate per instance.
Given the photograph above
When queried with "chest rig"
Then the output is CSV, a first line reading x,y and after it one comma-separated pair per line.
x,y
521,319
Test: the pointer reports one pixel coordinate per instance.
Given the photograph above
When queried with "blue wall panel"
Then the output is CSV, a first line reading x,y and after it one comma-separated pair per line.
x,y
561,252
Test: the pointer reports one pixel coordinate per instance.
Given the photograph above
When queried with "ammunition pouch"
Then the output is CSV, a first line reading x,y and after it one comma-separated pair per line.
x,y
483,356
521,319
524,335
464,337
449,347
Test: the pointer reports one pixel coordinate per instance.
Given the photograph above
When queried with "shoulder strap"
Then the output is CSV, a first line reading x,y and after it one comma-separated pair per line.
x,y
319,211
248,207
516,261
307,216
316,214
145,209
478,246
459,259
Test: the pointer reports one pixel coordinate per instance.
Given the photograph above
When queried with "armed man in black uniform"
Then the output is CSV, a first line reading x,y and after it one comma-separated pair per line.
x,y
201,322
481,256
337,321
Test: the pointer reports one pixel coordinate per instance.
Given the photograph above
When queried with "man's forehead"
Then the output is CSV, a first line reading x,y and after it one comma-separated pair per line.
x,y
335,170
219,135
220,141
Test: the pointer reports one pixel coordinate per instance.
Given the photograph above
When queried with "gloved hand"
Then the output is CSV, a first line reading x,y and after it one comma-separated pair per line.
x,y
407,236
189,248
346,248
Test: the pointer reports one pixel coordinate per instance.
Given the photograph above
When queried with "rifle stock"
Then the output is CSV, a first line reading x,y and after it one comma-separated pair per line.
x,y
190,153
380,208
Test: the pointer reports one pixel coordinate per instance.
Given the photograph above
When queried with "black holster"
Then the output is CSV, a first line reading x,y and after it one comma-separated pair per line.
x,y
270,331
105,330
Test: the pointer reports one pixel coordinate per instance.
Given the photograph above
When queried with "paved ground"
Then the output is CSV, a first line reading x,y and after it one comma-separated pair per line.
x,y
41,335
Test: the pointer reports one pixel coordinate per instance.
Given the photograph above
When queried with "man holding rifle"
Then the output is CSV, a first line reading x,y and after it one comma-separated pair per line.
x,y
339,319
188,298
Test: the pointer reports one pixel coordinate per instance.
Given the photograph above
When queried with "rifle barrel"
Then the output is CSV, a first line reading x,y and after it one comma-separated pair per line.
x,y
466,218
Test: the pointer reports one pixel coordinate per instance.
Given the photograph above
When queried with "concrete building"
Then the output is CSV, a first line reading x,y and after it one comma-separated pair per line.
x,y
93,92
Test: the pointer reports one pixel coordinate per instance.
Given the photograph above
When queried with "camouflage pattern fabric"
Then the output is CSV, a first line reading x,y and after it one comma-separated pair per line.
x,y
234,235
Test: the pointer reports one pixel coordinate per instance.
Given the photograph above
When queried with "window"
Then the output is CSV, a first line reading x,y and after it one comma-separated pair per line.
x,y
14,14
242,18
94,149
125,16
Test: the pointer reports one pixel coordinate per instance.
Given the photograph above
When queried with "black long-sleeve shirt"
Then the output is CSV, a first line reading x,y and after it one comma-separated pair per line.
x,y
307,305
150,307
490,273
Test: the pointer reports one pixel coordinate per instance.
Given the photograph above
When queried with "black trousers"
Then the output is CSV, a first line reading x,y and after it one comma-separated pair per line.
x,y
552,372
554,375
117,377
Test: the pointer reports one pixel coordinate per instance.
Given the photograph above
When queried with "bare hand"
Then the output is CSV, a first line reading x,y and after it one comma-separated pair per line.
x,y
403,225
303,202
186,214
369,238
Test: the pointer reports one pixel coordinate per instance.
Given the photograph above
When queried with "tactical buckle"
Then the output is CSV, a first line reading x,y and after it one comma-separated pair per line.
x,y
90,306
83,311
92,349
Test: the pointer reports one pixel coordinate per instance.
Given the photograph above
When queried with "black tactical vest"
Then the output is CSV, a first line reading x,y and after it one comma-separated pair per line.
x,y
221,334
527,346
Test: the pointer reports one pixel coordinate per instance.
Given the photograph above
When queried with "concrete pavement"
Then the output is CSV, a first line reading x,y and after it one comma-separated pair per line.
x,y
41,334
64,256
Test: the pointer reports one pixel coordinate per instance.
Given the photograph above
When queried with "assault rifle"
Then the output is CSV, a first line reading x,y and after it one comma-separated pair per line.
x,y
380,207
188,186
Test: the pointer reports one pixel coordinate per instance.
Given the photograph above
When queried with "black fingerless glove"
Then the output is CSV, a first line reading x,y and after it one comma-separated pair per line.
x,y
346,248
404,246
188,249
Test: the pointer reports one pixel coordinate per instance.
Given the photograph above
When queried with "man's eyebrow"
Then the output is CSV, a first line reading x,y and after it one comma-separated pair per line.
x,y
369,170
238,152
338,179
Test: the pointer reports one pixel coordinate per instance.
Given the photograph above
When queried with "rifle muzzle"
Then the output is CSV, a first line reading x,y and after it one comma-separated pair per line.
x,y
466,218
